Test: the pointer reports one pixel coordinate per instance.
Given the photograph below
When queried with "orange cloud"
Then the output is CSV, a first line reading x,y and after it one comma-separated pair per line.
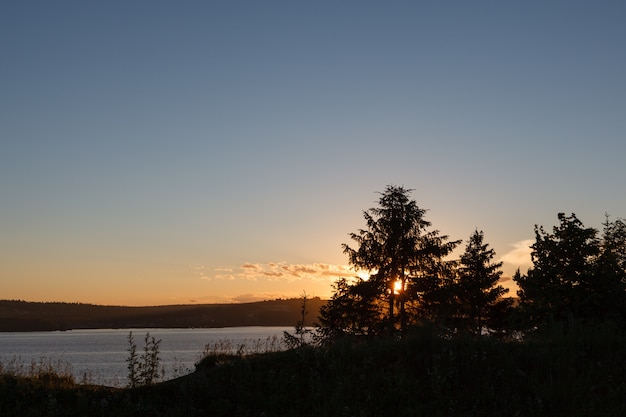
x,y
277,271
241,298
251,298
520,255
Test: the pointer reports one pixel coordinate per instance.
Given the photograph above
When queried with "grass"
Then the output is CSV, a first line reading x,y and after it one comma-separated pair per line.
x,y
564,372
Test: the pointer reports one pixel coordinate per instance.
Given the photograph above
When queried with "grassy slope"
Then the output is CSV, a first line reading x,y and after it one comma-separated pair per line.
x,y
580,374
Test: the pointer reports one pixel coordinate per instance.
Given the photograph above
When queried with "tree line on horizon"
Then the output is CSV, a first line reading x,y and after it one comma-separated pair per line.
x,y
577,274
19,316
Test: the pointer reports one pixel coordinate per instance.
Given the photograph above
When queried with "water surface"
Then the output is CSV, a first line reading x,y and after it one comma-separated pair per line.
x,y
99,356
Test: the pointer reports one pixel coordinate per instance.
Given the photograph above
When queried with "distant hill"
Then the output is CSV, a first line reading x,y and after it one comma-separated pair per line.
x,y
20,316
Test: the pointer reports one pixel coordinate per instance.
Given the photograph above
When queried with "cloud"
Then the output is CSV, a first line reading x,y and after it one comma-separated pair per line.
x,y
212,299
282,271
241,298
520,254
222,277
250,267
202,271
276,272
251,298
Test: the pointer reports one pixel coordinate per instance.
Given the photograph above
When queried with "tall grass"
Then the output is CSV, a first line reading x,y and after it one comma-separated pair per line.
x,y
246,347
44,369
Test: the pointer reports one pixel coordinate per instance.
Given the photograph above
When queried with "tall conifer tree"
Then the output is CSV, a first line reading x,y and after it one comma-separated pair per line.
x,y
387,246
477,289
404,262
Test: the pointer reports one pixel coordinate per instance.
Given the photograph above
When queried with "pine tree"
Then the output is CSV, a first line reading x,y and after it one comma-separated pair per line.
x,y
388,245
610,282
477,290
405,263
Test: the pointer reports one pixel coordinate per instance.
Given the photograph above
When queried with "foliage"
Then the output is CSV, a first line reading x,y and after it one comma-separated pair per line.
x,y
351,311
411,280
388,246
143,369
575,275
477,291
405,263
610,271
303,335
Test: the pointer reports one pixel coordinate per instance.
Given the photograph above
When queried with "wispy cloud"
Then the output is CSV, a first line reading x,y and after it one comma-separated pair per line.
x,y
276,272
251,298
241,298
520,254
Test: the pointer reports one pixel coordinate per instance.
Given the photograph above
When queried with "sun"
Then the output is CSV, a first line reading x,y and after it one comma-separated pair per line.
x,y
397,287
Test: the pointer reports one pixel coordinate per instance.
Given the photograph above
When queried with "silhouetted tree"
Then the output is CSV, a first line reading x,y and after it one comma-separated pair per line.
x,y
430,288
352,310
388,245
405,263
560,285
477,290
610,296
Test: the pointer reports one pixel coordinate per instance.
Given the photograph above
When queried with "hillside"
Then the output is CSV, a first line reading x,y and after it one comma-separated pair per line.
x,y
29,316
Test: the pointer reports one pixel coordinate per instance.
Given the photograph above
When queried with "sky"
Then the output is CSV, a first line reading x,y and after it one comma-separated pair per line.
x,y
176,152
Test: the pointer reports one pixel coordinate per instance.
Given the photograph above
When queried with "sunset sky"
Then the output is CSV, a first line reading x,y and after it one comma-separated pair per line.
x,y
173,152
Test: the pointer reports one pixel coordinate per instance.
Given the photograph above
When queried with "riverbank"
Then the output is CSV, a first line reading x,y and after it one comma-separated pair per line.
x,y
580,372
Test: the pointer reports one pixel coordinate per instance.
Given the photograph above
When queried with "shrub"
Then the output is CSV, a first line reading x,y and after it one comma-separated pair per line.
x,y
143,369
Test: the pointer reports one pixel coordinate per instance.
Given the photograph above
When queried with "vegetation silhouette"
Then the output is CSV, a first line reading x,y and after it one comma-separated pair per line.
x,y
409,268
303,335
480,303
575,276
144,369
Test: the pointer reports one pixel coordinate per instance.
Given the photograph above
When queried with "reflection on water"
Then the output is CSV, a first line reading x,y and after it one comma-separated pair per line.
x,y
99,356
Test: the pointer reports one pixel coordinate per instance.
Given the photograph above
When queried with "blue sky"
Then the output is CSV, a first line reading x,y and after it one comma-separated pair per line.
x,y
161,152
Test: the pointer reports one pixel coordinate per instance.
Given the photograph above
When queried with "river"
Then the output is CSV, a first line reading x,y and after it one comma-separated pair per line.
x,y
99,356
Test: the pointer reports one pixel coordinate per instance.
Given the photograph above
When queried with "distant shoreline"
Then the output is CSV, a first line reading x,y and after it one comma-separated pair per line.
x,y
24,316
